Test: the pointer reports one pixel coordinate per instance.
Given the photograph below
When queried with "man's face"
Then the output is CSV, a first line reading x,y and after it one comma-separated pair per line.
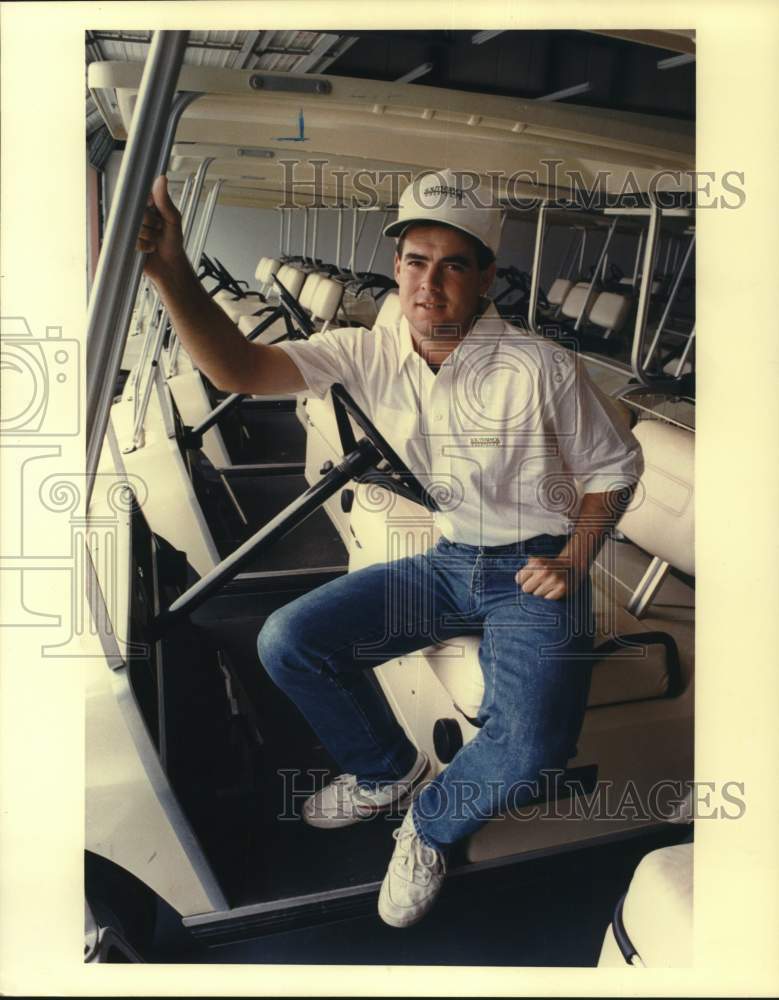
x,y
439,281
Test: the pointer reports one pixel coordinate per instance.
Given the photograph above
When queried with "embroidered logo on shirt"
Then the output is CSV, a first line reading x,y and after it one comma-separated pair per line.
x,y
485,441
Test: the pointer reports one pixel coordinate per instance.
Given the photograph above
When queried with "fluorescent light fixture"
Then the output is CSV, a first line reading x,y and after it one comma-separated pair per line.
x,y
414,74
558,95
260,154
484,36
671,61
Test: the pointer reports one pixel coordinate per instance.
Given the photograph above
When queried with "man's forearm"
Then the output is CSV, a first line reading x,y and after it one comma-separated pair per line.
x,y
598,515
214,343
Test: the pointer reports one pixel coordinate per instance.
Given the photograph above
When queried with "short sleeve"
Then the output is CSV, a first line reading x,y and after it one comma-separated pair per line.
x,y
326,358
595,441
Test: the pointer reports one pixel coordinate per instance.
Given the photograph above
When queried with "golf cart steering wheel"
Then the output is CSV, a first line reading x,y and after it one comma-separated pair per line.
x,y
397,476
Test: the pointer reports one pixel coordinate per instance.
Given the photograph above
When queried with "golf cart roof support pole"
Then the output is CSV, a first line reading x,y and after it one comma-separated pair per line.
x,y
206,220
354,243
289,233
671,299
159,334
576,252
191,236
685,354
566,264
149,337
595,273
638,257
339,233
667,265
535,278
358,461
141,305
305,236
188,227
140,365
677,251
200,241
382,224
314,234
188,220
203,225
644,295
357,231
281,232
582,248
120,266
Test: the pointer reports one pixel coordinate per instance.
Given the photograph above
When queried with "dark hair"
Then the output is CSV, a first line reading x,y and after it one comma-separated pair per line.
x,y
484,256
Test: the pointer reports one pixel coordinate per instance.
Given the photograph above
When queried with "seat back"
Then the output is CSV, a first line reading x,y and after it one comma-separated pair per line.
x,y
326,300
308,291
292,278
557,293
610,311
661,517
575,299
266,268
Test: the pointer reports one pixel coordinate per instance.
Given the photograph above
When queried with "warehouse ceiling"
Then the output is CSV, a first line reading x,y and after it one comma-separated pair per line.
x,y
650,72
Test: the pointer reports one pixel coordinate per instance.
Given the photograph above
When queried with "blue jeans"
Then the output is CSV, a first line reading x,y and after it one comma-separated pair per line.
x,y
534,655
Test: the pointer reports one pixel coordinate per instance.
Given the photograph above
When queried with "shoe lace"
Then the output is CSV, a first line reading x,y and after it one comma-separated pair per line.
x,y
416,861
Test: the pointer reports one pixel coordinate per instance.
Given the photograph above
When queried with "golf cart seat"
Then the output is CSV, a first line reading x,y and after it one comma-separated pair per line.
x,y
559,289
653,922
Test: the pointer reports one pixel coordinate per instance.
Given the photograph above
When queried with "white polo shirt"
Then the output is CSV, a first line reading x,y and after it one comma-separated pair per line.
x,y
507,434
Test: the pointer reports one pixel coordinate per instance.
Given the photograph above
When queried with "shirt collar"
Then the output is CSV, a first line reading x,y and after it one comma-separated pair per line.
x,y
490,322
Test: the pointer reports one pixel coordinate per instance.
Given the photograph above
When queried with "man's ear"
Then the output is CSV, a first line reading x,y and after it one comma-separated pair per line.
x,y
397,266
487,277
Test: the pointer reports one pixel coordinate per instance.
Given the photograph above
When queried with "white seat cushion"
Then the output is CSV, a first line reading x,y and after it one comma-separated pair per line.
x,y
574,300
327,299
610,311
619,677
292,278
384,523
661,517
308,291
266,268
657,913
558,291
247,323
241,307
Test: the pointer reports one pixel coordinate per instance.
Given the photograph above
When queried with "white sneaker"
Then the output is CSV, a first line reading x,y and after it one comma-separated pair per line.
x,y
344,802
413,880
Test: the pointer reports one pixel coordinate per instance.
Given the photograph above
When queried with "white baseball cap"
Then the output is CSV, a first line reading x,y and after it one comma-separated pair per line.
x,y
441,197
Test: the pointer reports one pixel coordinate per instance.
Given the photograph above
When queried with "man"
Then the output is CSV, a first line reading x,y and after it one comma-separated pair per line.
x,y
512,428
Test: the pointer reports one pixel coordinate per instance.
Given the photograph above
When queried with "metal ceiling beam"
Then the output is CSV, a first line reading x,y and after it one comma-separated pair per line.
x,y
246,51
676,41
414,74
318,52
672,61
558,95
484,36
346,43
